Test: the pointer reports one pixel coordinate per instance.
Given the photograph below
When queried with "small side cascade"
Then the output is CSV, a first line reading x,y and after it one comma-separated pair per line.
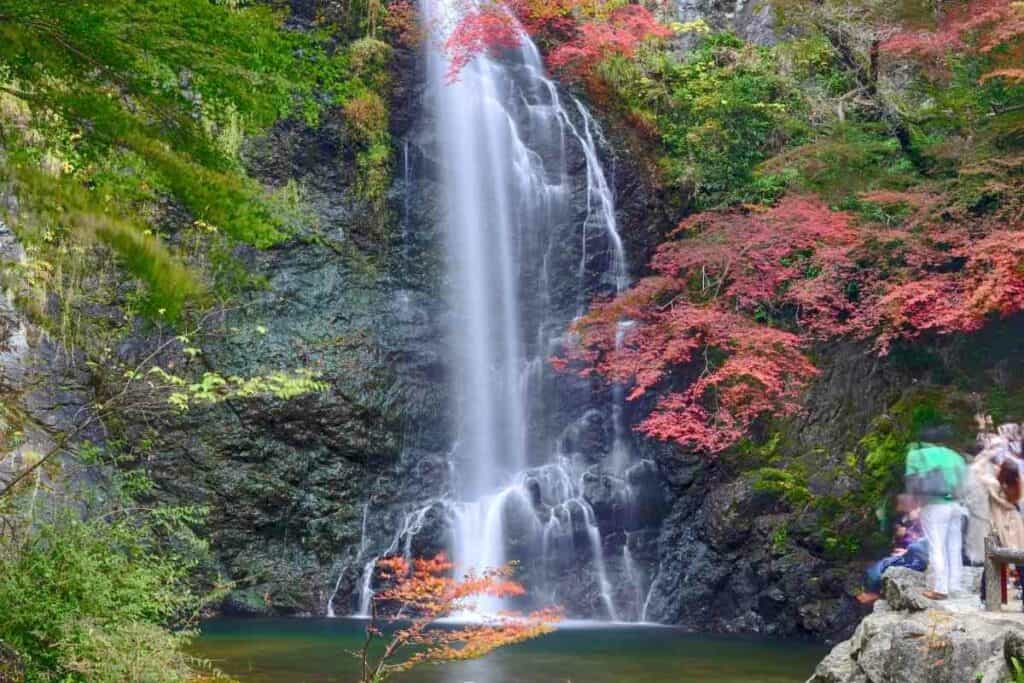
x,y
330,601
621,454
366,588
594,533
407,190
598,188
650,593
363,542
412,524
363,539
635,578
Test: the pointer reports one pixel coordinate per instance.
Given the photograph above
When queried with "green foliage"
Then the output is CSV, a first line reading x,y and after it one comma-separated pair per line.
x,y
885,446
879,462
113,108
844,522
98,652
811,60
841,162
214,388
1018,669
369,59
57,214
789,484
965,118
739,123
76,584
840,546
780,539
719,110
1004,404
374,164
100,586
167,80
367,117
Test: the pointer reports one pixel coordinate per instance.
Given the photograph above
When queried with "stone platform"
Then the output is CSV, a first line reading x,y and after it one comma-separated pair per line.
x,y
911,639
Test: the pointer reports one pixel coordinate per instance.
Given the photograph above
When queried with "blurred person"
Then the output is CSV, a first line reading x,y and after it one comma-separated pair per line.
x,y
1004,490
936,476
909,549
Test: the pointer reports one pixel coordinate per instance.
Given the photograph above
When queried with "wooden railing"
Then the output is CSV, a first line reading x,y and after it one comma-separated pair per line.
x,y
996,561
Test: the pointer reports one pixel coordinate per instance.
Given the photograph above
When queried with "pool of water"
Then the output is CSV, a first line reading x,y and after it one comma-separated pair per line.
x,y
318,650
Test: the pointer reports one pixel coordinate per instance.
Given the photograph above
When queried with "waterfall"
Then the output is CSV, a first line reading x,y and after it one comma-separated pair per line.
x,y
330,601
602,573
363,543
517,170
503,135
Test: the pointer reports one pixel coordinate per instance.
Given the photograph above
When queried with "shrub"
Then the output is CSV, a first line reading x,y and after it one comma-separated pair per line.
x,y
135,652
97,600
367,117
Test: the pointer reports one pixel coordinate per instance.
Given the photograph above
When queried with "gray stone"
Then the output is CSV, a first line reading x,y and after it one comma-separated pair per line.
x,y
839,667
1014,646
932,646
902,589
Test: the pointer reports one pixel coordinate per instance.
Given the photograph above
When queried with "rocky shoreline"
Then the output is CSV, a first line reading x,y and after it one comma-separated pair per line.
x,y
910,639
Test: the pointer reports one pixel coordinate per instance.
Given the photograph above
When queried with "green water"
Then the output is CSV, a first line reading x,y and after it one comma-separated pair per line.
x,y
315,651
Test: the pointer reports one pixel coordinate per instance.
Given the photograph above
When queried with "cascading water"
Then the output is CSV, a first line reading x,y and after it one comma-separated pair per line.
x,y
519,171
503,134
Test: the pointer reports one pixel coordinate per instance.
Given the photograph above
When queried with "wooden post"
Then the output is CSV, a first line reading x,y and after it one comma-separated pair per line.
x,y
993,571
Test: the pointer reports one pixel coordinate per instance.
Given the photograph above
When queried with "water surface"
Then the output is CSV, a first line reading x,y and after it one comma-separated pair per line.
x,y
317,651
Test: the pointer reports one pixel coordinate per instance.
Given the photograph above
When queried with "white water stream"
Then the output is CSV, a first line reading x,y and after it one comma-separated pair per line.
x,y
505,141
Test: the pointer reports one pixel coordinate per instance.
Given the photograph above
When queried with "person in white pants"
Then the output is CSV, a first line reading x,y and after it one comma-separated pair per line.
x,y
940,520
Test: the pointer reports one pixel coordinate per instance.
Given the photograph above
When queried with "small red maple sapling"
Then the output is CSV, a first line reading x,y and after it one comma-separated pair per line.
x,y
420,593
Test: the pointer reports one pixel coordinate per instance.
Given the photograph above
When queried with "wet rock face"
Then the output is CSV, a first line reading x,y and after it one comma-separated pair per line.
x,y
723,568
587,436
734,559
354,298
749,19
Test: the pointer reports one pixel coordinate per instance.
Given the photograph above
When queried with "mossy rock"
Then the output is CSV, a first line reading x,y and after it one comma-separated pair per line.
x,y
247,602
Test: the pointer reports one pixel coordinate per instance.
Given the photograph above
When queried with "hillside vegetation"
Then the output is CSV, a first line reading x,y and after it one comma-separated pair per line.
x,y
856,182
123,178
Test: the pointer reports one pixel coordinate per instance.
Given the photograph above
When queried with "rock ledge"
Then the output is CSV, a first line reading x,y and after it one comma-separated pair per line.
x,y
910,639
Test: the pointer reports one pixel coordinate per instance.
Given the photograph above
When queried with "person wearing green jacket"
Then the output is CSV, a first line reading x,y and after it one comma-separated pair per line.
x,y
936,475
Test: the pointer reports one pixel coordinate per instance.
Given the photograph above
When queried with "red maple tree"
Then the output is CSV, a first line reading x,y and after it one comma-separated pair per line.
x,y
723,326
487,29
619,33
990,27
423,591
576,34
